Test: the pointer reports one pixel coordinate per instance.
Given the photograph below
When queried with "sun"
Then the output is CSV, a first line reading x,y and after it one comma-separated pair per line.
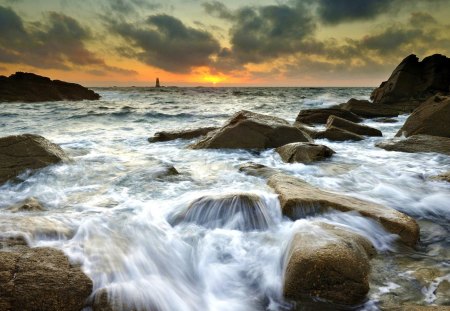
x,y
214,79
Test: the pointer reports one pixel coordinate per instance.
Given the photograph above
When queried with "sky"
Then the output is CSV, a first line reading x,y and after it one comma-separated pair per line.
x,y
219,43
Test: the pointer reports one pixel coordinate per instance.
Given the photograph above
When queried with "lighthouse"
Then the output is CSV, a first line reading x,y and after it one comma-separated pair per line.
x,y
157,83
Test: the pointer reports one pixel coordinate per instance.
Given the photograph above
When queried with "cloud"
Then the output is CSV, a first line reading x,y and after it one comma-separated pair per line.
x,y
165,42
55,43
218,9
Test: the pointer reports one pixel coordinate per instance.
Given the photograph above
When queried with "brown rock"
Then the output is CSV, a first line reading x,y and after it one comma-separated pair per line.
x,y
352,127
29,205
320,116
367,109
185,134
442,177
249,130
417,308
413,81
41,279
431,118
417,143
29,87
337,134
23,152
296,195
304,152
386,120
258,170
328,262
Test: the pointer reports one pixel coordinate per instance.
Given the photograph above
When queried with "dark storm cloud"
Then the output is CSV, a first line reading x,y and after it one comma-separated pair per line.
x,y
55,43
218,9
165,42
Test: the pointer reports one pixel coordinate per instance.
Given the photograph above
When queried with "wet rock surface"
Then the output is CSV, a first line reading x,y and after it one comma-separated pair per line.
x,y
320,116
352,127
29,205
367,109
337,134
417,143
304,152
185,134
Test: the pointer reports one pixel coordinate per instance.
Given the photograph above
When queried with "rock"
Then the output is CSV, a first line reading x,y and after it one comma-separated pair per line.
x,y
336,134
355,128
249,130
417,308
296,195
320,116
36,226
240,211
413,81
328,262
41,279
27,151
367,109
258,170
29,205
417,143
431,118
442,177
304,152
185,134
386,120
29,87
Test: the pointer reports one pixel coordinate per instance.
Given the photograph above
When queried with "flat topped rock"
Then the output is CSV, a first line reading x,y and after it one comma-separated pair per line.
x,y
320,116
359,129
184,134
295,193
249,130
334,133
417,143
29,87
304,152
367,109
22,152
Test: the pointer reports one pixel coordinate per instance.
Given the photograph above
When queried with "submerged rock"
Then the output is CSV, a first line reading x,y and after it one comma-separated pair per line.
x,y
234,211
29,87
413,81
417,143
184,134
431,118
337,134
258,170
41,279
296,195
22,152
304,152
249,130
352,127
29,205
442,177
320,116
367,109
328,262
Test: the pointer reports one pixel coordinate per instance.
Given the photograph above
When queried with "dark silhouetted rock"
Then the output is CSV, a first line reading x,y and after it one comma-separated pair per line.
x,y
27,151
352,127
249,130
304,152
296,195
185,134
431,118
29,87
367,109
413,82
40,279
320,116
417,143
337,134
328,262
29,205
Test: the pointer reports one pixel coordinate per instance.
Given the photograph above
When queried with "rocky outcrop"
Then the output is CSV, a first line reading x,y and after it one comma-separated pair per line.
x,y
24,152
367,109
258,170
249,130
328,262
40,279
337,134
320,116
334,121
304,152
29,87
414,81
296,195
185,134
29,205
431,118
417,143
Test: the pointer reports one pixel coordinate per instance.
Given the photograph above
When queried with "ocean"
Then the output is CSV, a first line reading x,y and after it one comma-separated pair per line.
x,y
111,208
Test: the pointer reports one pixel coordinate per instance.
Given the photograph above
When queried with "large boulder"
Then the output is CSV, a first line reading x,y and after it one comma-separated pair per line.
x,y
23,152
304,152
431,118
249,130
328,262
40,279
417,143
414,81
320,116
184,134
334,121
297,195
29,87
337,134
367,109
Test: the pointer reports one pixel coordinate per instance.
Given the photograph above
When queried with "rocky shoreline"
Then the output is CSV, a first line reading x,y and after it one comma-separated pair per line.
x,y
333,267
